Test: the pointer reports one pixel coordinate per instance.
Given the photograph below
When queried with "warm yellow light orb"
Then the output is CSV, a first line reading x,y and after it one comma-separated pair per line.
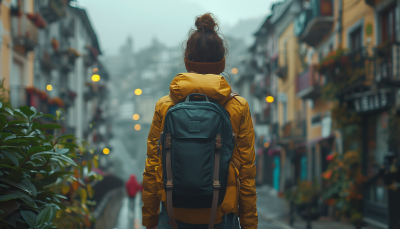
x,y
137,127
95,78
106,151
49,87
135,117
270,99
234,70
95,70
266,144
138,91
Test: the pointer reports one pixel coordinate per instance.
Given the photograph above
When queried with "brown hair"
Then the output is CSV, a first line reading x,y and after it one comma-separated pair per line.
x,y
205,44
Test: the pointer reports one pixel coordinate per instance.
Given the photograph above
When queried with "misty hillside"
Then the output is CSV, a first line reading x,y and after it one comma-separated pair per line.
x,y
244,29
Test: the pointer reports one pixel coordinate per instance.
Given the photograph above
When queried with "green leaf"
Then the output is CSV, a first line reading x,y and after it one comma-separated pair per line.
x,y
5,136
69,144
36,149
9,111
46,116
83,195
66,159
89,166
29,217
67,136
3,121
29,186
16,122
44,216
19,185
12,157
62,151
32,116
11,196
47,126
11,220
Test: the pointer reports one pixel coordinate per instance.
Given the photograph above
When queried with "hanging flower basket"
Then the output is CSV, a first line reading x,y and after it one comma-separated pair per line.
x,y
73,53
43,95
37,19
30,90
55,44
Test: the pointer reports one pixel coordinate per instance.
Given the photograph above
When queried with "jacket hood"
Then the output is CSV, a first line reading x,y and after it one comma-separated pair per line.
x,y
215,87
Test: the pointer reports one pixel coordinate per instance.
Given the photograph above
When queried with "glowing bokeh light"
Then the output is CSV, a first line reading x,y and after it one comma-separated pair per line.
x,y
234,71
266,144
136,117
106,151
270,99
95,78
138,91
137,127
49,87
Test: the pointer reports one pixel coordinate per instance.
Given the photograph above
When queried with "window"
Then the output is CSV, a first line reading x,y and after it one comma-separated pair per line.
x,y
316,120
355,39
284,107
388,25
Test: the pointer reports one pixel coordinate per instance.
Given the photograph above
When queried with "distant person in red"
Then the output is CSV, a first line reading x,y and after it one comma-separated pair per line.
x,y
132,188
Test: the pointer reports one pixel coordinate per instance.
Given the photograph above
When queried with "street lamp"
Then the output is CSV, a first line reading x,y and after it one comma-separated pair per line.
x,y
269,99
95,78
138,91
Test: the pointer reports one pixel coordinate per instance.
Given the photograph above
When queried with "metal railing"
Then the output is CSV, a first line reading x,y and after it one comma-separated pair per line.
x,y
24,32
387,63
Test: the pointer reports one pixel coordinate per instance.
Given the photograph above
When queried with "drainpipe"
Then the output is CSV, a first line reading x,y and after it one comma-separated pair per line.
x,y
340,20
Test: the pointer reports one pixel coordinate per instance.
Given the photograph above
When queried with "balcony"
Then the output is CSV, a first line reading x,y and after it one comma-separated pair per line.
x,y
24,33
47,61
63,62
308,84
313,24
68,97
52,10
386,63
261,88
294,131
67,27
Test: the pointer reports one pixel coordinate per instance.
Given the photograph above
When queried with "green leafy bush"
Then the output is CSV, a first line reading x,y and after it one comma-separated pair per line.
x,y
36,164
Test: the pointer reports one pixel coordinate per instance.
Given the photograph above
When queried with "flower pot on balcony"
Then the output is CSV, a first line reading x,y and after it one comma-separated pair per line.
x,y
55,44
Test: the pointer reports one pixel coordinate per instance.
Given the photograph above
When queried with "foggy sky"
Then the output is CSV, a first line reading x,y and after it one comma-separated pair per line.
x,y
168,20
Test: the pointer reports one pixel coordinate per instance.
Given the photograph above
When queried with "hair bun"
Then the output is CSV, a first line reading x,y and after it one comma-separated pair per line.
x,y
205,22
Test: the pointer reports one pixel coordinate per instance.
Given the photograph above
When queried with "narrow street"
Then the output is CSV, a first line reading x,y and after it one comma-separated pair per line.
x,y
270,210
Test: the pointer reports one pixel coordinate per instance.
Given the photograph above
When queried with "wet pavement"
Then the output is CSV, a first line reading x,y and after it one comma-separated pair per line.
x,y
129,219
270,210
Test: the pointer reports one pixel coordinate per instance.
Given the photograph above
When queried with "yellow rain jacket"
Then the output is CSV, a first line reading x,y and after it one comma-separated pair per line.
x,y
217,89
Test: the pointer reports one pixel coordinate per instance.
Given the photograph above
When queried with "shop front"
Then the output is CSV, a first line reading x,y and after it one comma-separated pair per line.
x,y
378,111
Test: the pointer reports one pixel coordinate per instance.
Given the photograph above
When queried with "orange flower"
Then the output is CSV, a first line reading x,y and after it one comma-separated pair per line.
x,y
327,175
